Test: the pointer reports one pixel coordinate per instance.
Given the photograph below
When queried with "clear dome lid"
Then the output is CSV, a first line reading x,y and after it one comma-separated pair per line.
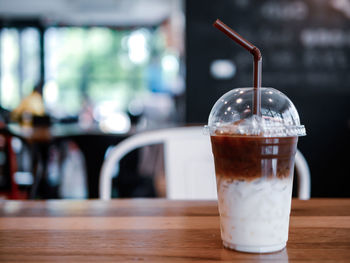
x,y
233,114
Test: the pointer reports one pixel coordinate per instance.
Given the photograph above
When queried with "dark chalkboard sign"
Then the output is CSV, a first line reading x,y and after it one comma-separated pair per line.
x,y
306,55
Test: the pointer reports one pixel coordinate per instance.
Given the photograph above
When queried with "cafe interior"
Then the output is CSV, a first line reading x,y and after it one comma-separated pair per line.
x,y
111,118
80,77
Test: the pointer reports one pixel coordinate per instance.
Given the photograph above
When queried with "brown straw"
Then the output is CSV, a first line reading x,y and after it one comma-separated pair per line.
x,y
257,60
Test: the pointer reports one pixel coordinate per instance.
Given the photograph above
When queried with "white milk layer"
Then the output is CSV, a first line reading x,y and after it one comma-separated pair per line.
x,y
254,213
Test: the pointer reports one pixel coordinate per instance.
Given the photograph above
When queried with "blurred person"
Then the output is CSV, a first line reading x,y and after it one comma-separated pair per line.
x,y
31,105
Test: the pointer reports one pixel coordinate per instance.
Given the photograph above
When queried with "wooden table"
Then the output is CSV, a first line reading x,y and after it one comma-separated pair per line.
x,y
159,231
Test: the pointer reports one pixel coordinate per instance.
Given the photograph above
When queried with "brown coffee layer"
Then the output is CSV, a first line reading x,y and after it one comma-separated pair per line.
x,y
251,157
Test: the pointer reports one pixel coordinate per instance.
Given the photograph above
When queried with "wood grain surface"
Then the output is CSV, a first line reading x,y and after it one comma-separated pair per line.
x,y
156,230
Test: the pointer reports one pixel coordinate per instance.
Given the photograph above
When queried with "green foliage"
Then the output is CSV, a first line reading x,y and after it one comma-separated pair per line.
x,y
94,62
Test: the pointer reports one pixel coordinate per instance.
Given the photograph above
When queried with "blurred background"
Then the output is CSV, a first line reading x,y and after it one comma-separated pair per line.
x,y
79,76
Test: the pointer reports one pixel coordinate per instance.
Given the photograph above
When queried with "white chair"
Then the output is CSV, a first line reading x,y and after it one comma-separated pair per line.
x,y
304,178
189,164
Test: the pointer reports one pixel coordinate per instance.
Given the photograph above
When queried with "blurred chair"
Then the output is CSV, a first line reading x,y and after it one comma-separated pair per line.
x,y
189,164
304,177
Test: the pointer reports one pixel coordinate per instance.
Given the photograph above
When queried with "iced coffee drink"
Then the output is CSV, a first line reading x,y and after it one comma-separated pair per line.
x,y
254,161
254,181
254,133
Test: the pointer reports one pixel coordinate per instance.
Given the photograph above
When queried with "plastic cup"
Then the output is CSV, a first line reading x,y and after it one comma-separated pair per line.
x,y
254,163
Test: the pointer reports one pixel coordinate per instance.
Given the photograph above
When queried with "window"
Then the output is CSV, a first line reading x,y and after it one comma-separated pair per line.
x,y
106,68
19,67
102,65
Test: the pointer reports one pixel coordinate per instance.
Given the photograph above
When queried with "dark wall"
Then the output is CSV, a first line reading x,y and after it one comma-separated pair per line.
x,y
306,55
